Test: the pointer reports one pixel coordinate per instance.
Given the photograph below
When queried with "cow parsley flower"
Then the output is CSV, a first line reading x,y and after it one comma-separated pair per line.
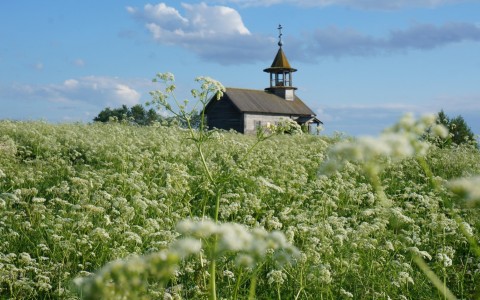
x,y
398,142
276,276
444,259
404,278
346,293
467,188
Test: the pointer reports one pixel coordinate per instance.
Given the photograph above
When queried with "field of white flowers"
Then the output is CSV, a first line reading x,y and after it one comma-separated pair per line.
x,y
74,197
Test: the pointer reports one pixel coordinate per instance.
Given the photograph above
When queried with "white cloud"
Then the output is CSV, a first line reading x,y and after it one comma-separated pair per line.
x,y
217,33
212,32
94,89
70,83
73,98
368,119
167,25
160,14
458,103
361,119
337,42
126,95
214,20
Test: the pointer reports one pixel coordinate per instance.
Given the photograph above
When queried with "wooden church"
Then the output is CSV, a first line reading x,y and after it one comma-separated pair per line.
x,y
245,110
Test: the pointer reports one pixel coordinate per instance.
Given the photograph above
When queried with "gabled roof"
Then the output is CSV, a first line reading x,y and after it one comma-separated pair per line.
x,y
258,101
280,63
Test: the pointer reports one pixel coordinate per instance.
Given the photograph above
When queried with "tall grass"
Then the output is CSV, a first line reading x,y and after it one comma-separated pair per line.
x,y
113,210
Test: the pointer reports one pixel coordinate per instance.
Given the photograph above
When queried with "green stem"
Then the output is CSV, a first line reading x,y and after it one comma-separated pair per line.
x,y
217,205
377,186
203,273
437,282
253,286
213,269
301,284
423,163
204,163
213,288
237,286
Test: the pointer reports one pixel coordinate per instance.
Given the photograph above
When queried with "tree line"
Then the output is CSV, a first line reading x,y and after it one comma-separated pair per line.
x,y
139,115
460,132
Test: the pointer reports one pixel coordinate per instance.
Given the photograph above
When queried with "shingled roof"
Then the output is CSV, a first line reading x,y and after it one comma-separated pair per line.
x,y
258,101
280,63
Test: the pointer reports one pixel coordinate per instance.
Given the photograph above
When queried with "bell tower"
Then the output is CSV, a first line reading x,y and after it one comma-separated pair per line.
x,y
281,73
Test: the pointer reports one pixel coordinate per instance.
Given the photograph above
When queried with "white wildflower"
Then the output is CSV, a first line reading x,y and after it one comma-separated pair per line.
x,y
346,293
468,230
43,283
440,131
389,246
94,209
270,185
423,254
24,258
101,233
229,274
43,247
325,275
444,259
38,200
107,219
245,260
404,278
133,237
276,276
467,188
234,237
186,246
398,142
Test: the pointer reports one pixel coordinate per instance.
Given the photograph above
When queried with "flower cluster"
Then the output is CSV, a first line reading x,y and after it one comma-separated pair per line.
x,y
403,140
467,188
252,246
74,197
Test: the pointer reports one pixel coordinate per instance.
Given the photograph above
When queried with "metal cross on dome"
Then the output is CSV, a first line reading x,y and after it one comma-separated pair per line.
x,y
280,43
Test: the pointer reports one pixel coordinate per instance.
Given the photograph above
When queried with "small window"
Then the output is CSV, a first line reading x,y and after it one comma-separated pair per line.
x,y
257,124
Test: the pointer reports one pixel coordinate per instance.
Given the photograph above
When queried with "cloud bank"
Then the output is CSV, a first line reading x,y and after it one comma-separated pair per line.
x,y
337,42
218,34
77,98
371,119
215,33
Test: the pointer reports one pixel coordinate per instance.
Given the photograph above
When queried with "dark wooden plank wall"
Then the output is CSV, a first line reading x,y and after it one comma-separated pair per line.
x,y
223,114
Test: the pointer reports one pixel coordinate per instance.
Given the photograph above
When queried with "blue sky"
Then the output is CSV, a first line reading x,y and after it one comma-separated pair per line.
x,y
361,63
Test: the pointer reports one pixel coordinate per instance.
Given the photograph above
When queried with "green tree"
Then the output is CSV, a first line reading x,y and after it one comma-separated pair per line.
x,y
137,114
460,132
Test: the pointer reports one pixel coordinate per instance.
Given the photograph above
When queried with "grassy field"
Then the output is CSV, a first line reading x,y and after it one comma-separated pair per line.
x,y
74,197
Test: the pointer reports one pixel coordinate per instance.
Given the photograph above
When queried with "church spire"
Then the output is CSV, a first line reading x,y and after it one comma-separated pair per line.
x,y
281,73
